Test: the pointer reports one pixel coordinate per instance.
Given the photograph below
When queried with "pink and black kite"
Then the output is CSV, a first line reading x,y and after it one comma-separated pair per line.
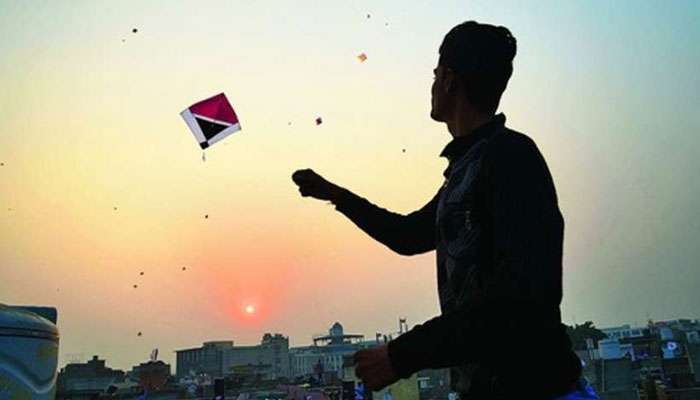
x,y
211,120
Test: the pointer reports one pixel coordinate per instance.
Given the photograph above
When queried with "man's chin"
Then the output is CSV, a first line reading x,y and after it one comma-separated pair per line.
x,y
436,116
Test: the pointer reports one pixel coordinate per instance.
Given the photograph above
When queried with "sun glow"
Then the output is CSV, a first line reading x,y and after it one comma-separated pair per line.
x,y
249,309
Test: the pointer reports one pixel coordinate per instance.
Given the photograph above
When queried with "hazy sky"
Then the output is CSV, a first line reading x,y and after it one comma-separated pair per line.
x,y
90,121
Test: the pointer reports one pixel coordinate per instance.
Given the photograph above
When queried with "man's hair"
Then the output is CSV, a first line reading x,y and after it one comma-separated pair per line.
x,y
483,55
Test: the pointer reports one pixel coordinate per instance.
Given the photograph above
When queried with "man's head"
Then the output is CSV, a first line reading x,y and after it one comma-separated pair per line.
x,y
476,61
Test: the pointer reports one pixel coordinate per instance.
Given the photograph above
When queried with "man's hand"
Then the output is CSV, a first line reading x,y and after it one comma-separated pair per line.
x,y
373,367
313,185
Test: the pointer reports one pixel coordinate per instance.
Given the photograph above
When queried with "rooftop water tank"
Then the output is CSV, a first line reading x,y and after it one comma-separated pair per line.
x,y
28,352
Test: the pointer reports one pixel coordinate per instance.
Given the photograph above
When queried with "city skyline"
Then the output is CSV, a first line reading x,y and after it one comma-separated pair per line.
x,y
101,180
631,363
83,357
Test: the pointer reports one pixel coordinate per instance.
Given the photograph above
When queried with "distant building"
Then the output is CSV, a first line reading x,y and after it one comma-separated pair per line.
x,y
609,349
623,331
694,359
327,352
90,377
678,372
207,359
683,325
617,380
152,374
658,362
272,352
150,366
218,359
644,347
612,349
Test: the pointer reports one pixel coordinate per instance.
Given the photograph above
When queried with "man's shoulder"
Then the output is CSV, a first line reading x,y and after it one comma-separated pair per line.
x,y
511,144
510,138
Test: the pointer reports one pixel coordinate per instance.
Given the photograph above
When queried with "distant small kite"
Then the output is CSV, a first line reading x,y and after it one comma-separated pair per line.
x,y
319,121
211,120
362,57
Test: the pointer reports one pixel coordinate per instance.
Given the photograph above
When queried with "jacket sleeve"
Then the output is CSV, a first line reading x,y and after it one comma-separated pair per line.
x,y
405,234
520,281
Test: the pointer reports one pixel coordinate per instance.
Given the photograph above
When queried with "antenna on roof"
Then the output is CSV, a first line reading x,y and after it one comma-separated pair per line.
x,y
403,326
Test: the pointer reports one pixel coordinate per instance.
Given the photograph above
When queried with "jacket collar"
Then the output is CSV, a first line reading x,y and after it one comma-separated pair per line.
x,y
460,145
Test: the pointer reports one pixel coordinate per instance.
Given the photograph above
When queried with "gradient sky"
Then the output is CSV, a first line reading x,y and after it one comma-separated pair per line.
x,y
608,90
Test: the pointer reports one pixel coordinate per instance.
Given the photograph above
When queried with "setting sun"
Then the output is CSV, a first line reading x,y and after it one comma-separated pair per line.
x,y
249,309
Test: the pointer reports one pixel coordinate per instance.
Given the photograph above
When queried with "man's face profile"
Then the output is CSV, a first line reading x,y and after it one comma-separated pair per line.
x,y
442,96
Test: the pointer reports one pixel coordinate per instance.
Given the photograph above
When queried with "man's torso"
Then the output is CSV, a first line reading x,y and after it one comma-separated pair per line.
x,y
464,249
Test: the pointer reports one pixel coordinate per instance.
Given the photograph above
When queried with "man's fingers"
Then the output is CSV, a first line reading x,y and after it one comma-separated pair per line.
x,y
302,171
303,175
308,187
298,176
305,182
300,180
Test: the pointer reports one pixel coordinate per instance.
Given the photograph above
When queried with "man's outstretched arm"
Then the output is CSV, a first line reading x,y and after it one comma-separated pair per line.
x,y
405,234
409,234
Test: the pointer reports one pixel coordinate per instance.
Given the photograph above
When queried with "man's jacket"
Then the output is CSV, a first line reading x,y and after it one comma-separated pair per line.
x,y
498,232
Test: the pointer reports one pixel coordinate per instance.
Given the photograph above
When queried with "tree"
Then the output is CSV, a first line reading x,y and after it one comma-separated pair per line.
x,y
579,333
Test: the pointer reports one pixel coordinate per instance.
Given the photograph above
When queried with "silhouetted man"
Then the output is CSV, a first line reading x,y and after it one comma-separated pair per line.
x,y
497,231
